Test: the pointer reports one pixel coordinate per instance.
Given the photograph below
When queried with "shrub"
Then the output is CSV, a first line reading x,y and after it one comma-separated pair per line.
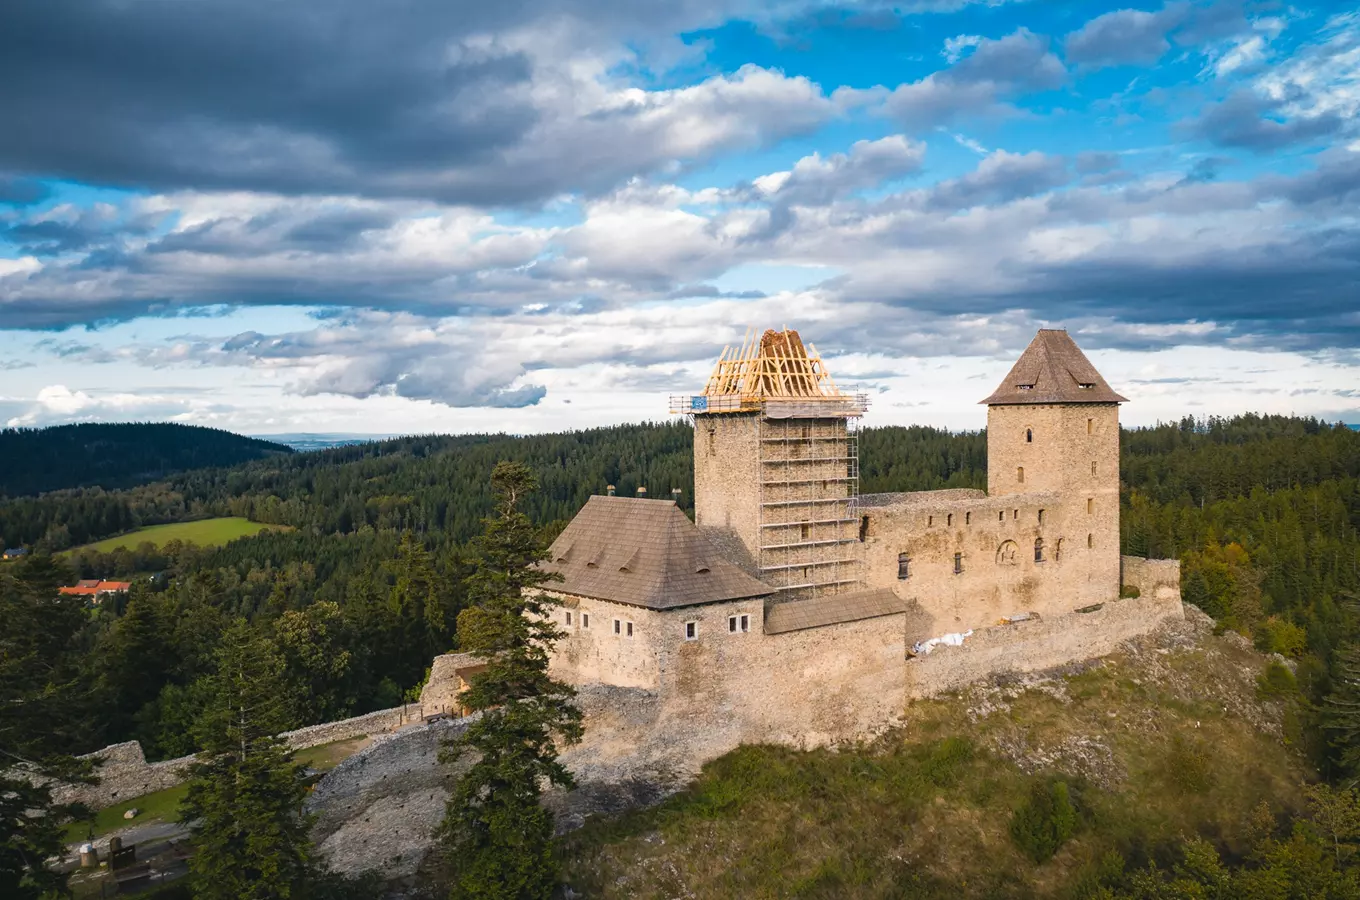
x,y
1276,635
1045,821
1189,767
1276,682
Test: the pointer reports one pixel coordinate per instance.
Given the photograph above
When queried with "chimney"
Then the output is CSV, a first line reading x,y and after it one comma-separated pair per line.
x,y
642,491
609,490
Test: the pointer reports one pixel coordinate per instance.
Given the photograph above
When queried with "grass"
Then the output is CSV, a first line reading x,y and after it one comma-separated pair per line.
x,y
163,806
1151,747
203,532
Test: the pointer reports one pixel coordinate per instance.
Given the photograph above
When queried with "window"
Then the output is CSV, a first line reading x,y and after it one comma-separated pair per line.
x,y
1090,541
1090,426
1029,436
738,624
1057,551
712,441
1086,385
1090,505
691,631
930,520
618,626
1041,517
863,528
968,518
1020,474
949,520
1015,514
1093,468
568,618
803,532
1001,515
958,563
628,629
903,566
585,620
1038,549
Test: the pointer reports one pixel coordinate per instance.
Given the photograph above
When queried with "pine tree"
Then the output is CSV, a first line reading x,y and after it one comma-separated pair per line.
x,y
1342,709
498,835
245,794
42,712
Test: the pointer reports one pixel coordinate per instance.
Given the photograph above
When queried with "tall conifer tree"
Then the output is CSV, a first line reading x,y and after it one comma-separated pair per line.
x,y
245,794
498,835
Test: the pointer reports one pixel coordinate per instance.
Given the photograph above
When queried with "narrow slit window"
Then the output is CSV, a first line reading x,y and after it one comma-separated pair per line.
x,y
1090,426
1038,549
1093,468
863,528
1090,505
1029,436
949,520
1041,517
930,520
958,563
585,620
803,532
1020,474
712,442
568,618
1090,541
968,518
1015,514
1001,515
691,631
903,566
629,629
618,626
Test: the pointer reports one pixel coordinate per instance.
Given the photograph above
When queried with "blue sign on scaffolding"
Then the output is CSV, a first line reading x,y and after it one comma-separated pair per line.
x,y
698,404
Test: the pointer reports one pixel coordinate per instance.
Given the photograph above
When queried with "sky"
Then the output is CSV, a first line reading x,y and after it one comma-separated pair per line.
x,y
535,215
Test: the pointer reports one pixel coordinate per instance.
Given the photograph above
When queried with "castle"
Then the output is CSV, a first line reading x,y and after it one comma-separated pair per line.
x,y
799,609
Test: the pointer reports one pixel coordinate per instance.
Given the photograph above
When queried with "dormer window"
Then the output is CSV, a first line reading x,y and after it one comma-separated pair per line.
x,y
1086,385
1024,387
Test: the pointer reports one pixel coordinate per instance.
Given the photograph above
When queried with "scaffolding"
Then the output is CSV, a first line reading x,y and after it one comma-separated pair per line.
x,y
808,513
807,539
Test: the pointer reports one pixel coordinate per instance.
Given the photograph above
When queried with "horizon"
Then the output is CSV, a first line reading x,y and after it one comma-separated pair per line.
x,y
546,217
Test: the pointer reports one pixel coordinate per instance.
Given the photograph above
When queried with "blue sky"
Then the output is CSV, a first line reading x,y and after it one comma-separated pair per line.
x,y
552,213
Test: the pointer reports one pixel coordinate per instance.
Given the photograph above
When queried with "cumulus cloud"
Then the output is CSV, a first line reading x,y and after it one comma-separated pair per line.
x,y
463,103
994,72
817,180
1123,37
59,404
1000,178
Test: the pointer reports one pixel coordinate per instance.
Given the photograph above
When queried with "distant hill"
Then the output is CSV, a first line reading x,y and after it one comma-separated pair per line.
x,y
37,460
306,441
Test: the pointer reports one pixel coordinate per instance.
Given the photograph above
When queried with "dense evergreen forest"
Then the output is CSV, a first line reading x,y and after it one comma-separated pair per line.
x,y
119,455
1262,510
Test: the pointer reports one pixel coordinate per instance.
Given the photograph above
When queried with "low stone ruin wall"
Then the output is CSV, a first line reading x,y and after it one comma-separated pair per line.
x,y
124,772
1152,577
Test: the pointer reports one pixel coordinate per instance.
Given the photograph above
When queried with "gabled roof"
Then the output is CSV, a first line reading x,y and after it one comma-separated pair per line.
x,y
1053,370
644,553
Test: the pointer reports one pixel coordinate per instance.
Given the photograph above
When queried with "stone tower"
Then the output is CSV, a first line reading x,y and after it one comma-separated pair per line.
x,y
776,468
1053,427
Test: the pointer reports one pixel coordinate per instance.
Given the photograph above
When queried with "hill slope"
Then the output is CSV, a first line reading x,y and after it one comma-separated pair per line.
x,y
1170,738
111,456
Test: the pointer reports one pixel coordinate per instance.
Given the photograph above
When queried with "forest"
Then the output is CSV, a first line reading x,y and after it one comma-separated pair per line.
x,y
1262,510
116,455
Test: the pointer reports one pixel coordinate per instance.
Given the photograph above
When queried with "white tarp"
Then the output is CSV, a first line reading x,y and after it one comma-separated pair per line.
x,y
944,640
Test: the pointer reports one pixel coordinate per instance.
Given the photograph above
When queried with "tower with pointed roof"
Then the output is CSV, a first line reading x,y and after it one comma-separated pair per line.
x,y
776,469
1053,427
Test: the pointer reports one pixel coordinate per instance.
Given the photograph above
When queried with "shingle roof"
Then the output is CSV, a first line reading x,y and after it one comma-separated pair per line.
x,y
644,553
795,615
1053,370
